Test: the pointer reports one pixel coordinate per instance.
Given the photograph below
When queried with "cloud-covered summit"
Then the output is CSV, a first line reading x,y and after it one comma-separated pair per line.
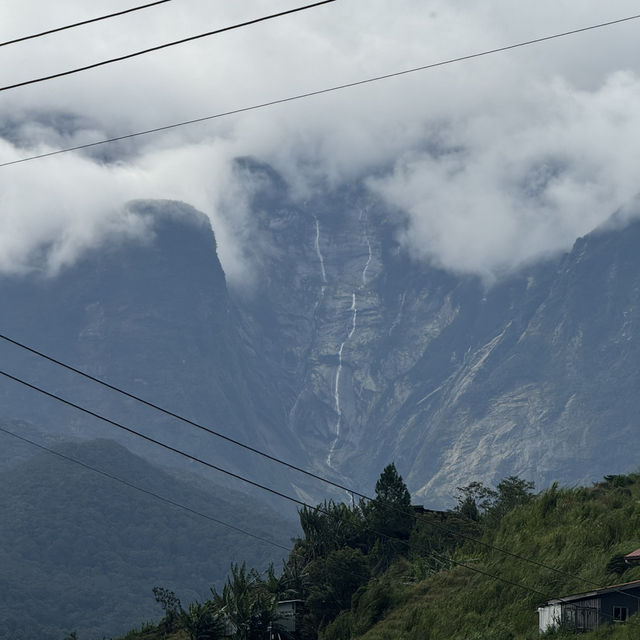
x,y
492,162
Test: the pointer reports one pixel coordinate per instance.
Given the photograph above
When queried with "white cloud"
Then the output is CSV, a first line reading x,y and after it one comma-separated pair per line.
x,y
493,161
514,184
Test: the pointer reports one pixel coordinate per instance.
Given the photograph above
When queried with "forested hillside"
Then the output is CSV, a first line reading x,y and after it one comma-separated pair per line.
x,y
384,570
81,551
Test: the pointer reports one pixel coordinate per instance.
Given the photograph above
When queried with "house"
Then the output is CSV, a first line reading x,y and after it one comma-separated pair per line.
x,y
633,557
586,611
287,620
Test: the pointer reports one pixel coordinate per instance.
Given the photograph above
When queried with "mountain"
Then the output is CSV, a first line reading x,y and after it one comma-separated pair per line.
x,y
151,315
384,357
82,551
344,352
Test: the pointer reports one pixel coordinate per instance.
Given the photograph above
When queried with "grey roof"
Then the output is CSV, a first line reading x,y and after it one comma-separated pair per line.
x,y
625,586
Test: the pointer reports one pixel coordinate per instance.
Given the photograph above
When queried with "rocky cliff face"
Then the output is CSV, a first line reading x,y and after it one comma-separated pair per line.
x,y
347,354
389,359
154,317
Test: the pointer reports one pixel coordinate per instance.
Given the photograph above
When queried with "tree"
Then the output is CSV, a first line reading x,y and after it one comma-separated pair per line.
x,y
474,500
202,622
478,502
390,517
332,582
512,492
247,602
390,512
330,526
171,606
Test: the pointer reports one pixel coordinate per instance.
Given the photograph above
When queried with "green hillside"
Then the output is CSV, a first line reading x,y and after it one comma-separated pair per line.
x,y
579,532
80,551
382,571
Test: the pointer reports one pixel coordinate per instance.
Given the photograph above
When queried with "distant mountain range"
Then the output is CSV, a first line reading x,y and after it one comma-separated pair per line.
x,y
345,354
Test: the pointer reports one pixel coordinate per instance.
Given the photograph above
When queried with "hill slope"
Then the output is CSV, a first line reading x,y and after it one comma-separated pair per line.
x,y
82,552
581,533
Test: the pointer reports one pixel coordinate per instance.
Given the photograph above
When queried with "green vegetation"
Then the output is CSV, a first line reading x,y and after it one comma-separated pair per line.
x,y
386,571
80,552
580,532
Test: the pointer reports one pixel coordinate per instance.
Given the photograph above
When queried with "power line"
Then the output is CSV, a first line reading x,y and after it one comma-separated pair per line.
x,y
225,524
82,23
153,440
318,92
251,482
145,491
174,415
177,416
248,533
173,449
164,46
132,431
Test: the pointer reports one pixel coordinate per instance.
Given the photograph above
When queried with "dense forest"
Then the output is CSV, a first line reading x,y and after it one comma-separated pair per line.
x,y
81,551
384,570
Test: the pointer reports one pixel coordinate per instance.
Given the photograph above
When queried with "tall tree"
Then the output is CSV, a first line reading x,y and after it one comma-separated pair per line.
x,y
390,516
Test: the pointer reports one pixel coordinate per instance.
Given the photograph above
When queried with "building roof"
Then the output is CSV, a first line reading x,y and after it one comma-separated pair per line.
x,y
625,586
634,555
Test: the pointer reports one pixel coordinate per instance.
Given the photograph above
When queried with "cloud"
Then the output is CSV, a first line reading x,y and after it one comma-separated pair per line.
x,y
492,162
507,185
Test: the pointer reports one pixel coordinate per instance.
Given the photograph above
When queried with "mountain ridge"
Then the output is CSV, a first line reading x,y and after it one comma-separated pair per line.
x,y
347,353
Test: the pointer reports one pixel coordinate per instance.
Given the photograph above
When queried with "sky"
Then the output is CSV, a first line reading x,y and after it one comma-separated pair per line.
x,y
491,163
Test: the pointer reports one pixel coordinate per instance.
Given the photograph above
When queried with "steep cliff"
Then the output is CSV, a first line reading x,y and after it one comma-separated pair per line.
x,y
387,358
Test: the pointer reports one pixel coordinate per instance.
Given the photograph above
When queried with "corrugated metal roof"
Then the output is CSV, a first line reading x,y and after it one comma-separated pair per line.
x,y
596,592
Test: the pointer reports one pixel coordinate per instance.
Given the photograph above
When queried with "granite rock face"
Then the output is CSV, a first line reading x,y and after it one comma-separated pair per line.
x,y
345,354
387,358
152,316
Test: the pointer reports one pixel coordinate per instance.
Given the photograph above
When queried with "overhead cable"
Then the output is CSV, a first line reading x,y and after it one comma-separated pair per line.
x,y
140,489
177,416
238,529
82,23
318,92
351,491
251,482
153,440
164,46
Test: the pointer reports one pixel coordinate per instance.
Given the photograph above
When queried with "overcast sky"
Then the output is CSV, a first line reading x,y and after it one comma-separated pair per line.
x,y
493,161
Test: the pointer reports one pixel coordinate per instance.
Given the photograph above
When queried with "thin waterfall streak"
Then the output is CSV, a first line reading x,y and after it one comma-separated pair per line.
x,y
336,398
366,266
354,317
319,253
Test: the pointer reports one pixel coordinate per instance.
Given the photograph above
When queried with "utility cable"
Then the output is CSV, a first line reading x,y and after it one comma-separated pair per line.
x,y
132,431
82,23
531,589
176,416
164,46
248,533
251,482
176,450
153,440
318,92
140,489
